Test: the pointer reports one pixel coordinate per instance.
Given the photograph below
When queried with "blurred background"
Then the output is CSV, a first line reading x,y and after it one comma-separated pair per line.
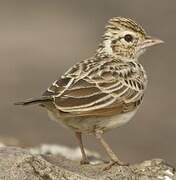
x,y
40,40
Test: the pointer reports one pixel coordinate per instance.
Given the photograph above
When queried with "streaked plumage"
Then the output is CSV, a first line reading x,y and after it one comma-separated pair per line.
x,y
104,91
96,86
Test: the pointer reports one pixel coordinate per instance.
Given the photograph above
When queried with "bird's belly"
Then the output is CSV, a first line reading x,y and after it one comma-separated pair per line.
x,y
117,120
90,124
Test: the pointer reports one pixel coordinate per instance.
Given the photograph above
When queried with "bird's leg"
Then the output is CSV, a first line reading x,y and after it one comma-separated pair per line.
x,y
84,157
110,153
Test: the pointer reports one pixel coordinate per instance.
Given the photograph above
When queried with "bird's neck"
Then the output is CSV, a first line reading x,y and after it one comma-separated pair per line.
x,y
105,51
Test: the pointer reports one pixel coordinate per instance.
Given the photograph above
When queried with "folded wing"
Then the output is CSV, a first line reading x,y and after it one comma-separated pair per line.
x,y
105,89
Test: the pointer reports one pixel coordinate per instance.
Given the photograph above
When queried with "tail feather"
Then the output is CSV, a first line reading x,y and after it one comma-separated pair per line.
x,y
34,101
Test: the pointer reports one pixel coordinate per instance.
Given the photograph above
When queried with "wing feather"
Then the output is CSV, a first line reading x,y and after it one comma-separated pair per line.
x,y
100,89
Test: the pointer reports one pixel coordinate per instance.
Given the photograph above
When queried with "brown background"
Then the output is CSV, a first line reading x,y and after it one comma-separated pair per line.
x,y
39,40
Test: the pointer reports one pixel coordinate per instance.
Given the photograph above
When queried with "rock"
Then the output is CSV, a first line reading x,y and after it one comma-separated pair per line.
x,y
19,164
67,152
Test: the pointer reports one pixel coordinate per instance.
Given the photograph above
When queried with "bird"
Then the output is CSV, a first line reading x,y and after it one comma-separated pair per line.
x,y
104,91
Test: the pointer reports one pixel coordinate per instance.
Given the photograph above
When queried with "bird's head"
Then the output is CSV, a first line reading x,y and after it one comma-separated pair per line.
x,y
125,38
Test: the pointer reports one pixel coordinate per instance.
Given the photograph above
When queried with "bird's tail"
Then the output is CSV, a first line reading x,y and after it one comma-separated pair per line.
x,y
34,100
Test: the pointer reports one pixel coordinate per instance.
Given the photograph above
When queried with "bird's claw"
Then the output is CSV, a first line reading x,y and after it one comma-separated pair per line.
x,y
119,163
84,161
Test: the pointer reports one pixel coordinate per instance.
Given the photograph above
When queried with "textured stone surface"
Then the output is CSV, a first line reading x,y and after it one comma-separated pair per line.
x,y
19,164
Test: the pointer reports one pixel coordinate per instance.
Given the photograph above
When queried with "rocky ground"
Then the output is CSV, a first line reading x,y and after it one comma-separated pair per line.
x,y
53,162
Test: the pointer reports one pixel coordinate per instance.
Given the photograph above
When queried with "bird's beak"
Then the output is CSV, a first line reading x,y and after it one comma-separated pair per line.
x,y
149,41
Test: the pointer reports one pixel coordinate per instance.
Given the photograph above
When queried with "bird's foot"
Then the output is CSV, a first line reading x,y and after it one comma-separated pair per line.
x,y
112,163
84,161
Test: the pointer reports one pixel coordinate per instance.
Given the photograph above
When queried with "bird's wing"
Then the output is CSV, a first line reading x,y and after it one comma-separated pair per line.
x,y
104,89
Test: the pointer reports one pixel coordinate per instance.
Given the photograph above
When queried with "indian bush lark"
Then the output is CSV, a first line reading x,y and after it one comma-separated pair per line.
x,y
103,91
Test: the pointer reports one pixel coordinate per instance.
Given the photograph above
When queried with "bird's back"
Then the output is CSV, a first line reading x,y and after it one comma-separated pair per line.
x,y
98,87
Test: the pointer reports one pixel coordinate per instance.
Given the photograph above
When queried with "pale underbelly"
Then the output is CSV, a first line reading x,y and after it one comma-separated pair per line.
x,y
91,124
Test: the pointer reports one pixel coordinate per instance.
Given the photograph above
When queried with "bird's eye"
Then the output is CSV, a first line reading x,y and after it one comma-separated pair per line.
x,y
128,38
